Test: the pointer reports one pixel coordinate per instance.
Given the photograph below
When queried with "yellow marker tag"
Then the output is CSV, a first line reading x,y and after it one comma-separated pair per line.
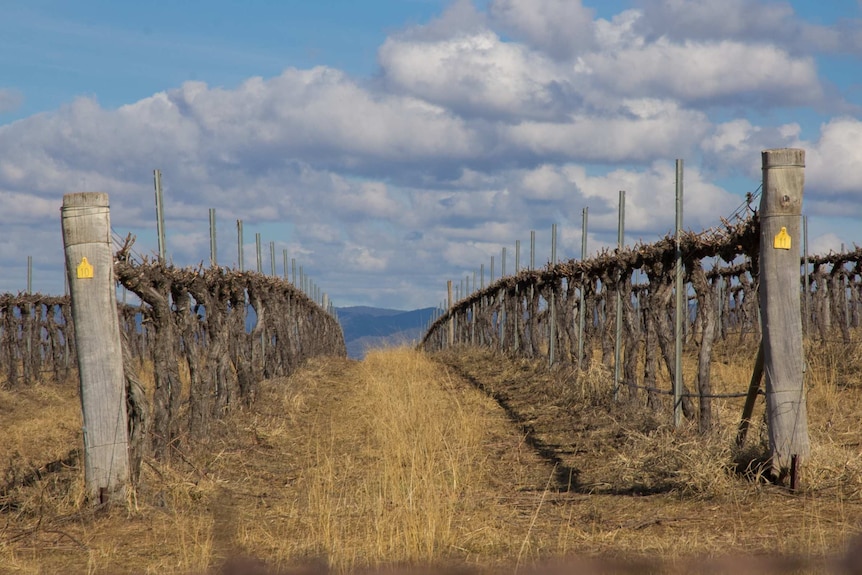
x,y
782,240
85,270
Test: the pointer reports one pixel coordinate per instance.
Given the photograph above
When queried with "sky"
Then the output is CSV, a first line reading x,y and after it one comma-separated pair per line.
x,y
391,145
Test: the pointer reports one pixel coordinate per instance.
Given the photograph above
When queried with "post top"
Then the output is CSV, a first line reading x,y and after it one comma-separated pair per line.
x,y
783,157
86,200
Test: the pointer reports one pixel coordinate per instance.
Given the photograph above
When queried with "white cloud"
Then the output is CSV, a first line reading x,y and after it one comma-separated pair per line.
x,y
547,182
748,20
667,131
10,100
477,73
368,199
716,18
825,243
831,160
320,112
461,17
706,72
20,207
363,259
479,127
561,28
832,164
650,197
225,145
735,146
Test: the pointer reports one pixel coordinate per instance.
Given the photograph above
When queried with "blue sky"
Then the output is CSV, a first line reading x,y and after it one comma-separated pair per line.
x,y
124,51
391,145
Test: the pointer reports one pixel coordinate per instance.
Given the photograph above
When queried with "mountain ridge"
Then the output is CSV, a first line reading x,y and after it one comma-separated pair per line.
x,y
368,327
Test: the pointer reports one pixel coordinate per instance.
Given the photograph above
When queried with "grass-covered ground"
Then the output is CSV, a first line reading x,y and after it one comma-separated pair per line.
x,y
464,460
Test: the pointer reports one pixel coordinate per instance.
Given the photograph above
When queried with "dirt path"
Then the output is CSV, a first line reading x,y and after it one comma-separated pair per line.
x,y
467,460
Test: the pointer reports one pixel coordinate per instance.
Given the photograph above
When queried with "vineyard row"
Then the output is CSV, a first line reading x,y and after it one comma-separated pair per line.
x,y
567,312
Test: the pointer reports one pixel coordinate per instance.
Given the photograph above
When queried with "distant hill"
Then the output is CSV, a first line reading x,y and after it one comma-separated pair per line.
x,y
370,327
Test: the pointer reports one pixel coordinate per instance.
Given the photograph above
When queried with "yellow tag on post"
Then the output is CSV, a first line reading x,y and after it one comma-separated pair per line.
x,y
781,240
85,269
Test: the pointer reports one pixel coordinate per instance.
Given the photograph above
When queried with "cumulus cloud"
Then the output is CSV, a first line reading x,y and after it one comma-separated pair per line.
x,y
705,72
832,159
735,146
219,140
322,114
649,131
480,125
561,28
832,163
478,74
10,100
748,20
650,196
826,243
460,18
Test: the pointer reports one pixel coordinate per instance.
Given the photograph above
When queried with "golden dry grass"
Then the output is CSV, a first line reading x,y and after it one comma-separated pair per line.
x,y
402,460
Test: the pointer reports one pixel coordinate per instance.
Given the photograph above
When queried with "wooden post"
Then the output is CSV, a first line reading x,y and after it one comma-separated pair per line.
x,y
679,305
213,248
473,315
753,388
502,296
239,246
90,264
257,250
780,208
160,215
581,298
552,304
451,321
518,314
806,298
618,328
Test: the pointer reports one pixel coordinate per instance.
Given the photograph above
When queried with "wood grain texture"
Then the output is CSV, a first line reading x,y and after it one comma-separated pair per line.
x,y
781,316
87,234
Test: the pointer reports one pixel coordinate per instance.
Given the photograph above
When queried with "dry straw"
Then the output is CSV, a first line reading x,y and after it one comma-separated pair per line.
x,y
469,460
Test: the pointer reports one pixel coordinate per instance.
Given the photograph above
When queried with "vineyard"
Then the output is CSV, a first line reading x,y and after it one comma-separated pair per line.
x,y
191,320
502,441
565,313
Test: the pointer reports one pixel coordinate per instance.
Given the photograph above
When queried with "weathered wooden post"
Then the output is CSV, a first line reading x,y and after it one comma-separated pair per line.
x,y
780,208
618,327
451,327
90,264
552,304
473,315
284,264
679,302
239,246
581,297
257,250
213,246
160,215
518,313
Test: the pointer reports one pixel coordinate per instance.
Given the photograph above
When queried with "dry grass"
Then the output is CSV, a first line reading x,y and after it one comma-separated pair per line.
x,y
40,425
663,480
399,460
